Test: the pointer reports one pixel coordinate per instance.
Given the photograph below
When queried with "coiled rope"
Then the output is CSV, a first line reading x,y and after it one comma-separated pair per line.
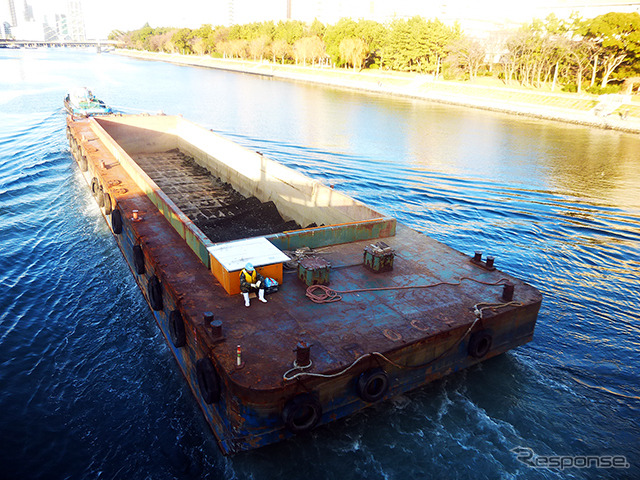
x,y
324,294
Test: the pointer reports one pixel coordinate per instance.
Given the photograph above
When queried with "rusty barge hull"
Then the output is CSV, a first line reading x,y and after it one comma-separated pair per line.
x,y
166,187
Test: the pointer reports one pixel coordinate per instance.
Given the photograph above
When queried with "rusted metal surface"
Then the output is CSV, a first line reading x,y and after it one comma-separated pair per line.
x,y
314,271
378,257
416,322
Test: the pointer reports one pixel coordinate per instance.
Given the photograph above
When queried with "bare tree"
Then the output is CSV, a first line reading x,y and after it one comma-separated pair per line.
x,y
311,48
239,48
353,51
198,45
258,47
280,49
224,48
580,54
233,48
468,53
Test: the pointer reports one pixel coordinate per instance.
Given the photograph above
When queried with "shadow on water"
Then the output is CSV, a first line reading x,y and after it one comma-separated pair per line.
x,y
91,391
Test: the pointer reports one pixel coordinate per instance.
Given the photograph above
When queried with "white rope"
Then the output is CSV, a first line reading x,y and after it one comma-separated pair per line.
x,y
478,309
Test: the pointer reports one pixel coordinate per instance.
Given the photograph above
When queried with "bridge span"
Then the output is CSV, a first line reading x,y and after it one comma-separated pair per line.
x,y
7,43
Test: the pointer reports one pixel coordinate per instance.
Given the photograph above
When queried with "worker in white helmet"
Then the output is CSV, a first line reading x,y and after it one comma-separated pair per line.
x,y
251,281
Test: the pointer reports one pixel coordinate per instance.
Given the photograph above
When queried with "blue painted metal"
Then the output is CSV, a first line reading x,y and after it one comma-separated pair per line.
x,y
335,234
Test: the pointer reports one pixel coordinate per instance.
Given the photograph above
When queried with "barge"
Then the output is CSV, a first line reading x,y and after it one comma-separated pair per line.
x,y
366,308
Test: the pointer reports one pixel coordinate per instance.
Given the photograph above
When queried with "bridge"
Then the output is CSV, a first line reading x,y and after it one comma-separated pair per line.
x,y
6,43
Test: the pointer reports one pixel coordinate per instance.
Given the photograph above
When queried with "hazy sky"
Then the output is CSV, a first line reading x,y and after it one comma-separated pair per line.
x,y
103,16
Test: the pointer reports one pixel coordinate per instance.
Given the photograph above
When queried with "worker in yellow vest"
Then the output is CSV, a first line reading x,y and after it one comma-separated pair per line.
x,y
251,281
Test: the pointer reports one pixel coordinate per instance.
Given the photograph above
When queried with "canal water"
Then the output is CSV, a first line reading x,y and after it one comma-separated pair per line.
x,y
88,388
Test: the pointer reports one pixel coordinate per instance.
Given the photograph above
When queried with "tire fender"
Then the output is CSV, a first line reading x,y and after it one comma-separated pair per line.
x,y
372,385
302,413
176,329
480,344
116,221
154,291
208,381
138,260
95,186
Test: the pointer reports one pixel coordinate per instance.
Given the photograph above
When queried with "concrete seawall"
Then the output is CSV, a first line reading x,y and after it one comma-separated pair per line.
x,y
506,100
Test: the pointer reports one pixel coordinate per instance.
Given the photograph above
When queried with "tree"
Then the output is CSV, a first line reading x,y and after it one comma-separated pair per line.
x,y
353,51
334,34
290,31
198,45
161,42
374,35
469,54
140,38
579,55
317,28
202,40
239,48
280,49
311,48
225,48
417,44
397,50
181,40
618,36
258,47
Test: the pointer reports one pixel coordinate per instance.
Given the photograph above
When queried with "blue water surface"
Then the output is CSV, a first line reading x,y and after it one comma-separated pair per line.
x,y
89,389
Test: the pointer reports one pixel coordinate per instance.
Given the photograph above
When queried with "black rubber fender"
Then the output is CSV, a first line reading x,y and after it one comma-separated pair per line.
x,y
154,291
116,221
302,413
480,344
107,204
372,385
208,381
176,329
138,260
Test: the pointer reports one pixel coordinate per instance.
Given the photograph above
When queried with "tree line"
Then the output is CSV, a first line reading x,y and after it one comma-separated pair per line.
x,y
575,54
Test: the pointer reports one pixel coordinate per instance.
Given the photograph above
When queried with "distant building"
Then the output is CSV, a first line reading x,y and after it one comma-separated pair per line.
x,y
12,13
5,30
62,27
19,20
50,33
75,21
28,13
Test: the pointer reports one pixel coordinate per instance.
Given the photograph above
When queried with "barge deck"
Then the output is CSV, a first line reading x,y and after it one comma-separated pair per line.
x,y
394,329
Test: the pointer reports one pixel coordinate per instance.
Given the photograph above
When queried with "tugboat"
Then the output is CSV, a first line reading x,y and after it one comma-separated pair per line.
x,y
82,103
367,309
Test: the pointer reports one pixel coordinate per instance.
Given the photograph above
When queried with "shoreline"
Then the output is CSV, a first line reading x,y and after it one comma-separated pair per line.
x,y
420,87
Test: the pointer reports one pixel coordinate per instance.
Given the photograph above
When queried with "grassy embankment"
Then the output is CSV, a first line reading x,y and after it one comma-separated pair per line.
x,y
485,92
